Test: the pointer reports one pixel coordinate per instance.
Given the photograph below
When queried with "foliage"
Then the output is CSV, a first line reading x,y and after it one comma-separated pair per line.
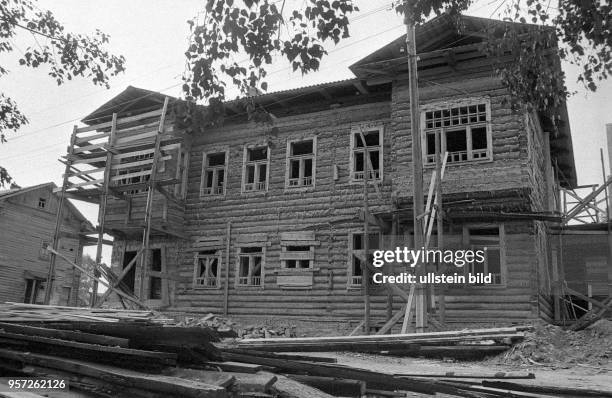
x,y
85,282
260,31
67,55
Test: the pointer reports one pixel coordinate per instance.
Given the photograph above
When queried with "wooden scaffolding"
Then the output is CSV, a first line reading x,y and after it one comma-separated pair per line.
x,y
112,160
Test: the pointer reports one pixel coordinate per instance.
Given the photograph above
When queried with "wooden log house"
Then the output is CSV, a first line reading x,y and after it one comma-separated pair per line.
x,y
265,219
27,222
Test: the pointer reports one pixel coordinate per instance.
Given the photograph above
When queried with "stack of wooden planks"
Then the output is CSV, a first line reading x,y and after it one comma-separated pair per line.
x,y
474,342
20,312
126,358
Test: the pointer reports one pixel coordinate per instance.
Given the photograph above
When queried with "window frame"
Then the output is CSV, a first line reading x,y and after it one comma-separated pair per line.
x,y
225,168
353,149
287,255
239,255
218,254
289,158
441,106
351,251
501,246
246,163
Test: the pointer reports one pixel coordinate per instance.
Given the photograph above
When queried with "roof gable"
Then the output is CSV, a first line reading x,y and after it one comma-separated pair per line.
x,y
48,186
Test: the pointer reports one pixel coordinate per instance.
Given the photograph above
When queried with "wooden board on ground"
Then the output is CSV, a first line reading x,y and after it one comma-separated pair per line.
x,y
159,383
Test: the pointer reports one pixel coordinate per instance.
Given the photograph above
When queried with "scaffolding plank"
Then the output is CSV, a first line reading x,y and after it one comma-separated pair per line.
x,y
121,121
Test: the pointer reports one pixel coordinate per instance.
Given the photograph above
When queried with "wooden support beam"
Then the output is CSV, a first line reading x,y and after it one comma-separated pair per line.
x,y
149,203
361,88
120,278
83,270
391,322
372,219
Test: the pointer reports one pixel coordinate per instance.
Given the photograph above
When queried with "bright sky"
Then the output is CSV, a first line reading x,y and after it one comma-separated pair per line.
x,y
152,35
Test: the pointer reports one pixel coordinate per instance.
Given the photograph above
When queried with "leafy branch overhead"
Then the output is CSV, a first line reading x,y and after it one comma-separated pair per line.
x,y
66,55
234,41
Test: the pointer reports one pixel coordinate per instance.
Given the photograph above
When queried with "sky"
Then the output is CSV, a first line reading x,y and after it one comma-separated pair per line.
x,y
152,35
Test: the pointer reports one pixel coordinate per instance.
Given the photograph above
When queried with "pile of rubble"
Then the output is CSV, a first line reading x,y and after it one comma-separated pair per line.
x,y
555,346
224,326
264,332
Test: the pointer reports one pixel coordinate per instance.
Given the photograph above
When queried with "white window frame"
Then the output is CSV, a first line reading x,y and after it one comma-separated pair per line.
x,y
472,155
469,267
209,282
249,283
257,163
288,255
351,279
215,170
301,158
358,176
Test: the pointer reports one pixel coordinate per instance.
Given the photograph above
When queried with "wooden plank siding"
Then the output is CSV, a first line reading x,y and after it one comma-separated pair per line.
x,y
25,228
330,208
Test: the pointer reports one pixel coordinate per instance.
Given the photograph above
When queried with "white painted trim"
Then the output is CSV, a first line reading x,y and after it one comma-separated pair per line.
x,y
288,159
380,126
211,151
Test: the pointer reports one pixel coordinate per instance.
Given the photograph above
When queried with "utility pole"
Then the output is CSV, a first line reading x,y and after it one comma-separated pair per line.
x,y
417,160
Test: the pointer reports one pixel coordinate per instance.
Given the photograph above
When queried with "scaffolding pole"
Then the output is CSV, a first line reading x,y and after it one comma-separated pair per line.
x,y
58,222
102,210
149,204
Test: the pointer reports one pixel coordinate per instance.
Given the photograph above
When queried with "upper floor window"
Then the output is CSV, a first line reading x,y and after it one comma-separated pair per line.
x,y
42,203
301,160
488,239
136,170
373,147
255,176
464,132
213,174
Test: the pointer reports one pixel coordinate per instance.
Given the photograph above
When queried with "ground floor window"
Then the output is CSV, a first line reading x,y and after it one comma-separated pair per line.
x,y
34,291
489,240
298,257
250,266
207,265
155,282
357,255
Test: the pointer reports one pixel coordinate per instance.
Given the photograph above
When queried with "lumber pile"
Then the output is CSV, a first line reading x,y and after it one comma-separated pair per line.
x,y
20,312
475,342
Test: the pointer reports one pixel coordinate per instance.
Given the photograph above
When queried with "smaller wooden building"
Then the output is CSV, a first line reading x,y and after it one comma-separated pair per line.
x,y
27,224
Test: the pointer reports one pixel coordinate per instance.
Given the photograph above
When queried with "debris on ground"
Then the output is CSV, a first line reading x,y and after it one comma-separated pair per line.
x,y
555,346
265,332
136,356
224,326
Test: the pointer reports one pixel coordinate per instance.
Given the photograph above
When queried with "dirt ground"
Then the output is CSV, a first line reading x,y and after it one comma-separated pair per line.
x,y
575,377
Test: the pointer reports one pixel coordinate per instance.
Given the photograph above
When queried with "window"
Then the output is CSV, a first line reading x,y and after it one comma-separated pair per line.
x,y
487,239
138,172
43,252
213,174
464,130
301,163
155,282
250,266
42,203
255,176
206,272
297,257
33,291
356,251
374,149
